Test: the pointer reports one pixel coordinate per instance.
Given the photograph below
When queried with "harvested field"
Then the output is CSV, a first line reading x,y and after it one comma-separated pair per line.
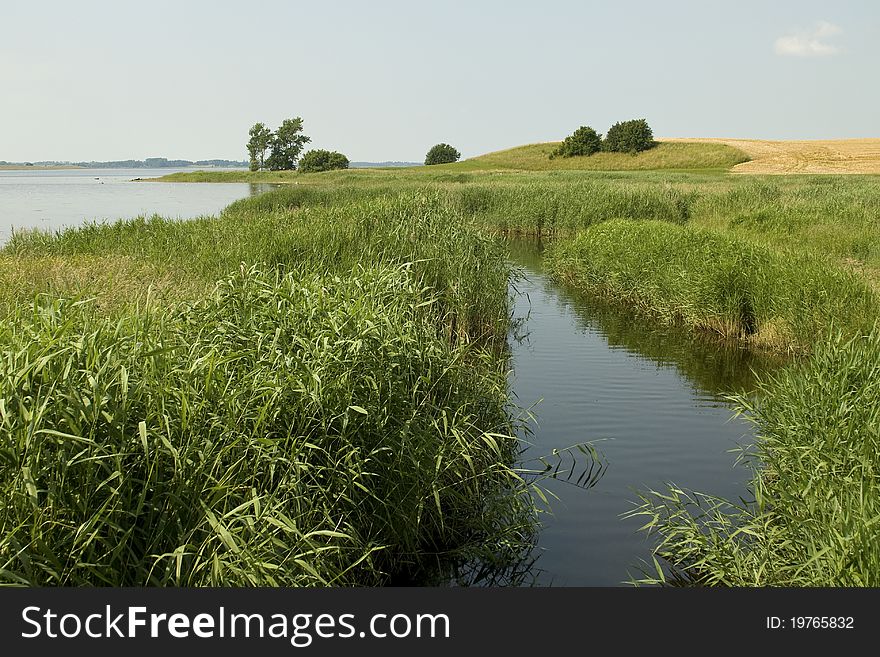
x,y
827,156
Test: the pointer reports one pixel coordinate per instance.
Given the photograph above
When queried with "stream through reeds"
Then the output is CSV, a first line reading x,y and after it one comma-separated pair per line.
x,y
651,399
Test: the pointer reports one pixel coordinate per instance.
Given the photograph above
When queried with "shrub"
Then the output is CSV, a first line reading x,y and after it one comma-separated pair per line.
x,y
321,160
583,141
442,154
629,137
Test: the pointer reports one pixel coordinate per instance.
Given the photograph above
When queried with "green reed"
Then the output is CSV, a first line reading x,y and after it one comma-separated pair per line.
x,y
333,411
813,515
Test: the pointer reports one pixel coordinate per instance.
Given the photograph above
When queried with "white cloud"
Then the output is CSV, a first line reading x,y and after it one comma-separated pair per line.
x,y
812,42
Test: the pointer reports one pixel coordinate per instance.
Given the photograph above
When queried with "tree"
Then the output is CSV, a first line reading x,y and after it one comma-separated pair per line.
x,y
261,138
629,137
583,141
287,143
442,154
321,160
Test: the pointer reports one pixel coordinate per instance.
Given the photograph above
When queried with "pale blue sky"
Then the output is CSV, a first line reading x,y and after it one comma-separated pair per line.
x,y
385,80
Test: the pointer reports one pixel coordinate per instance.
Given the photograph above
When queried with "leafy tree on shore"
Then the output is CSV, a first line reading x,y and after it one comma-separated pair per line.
x,y
442,154
287,143
261,139
583,141
322,160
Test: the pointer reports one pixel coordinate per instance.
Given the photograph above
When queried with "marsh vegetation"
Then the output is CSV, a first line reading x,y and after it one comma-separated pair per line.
x,y
310,388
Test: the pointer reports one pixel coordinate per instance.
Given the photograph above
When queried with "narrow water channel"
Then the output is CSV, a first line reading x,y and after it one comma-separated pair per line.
x,y
652,399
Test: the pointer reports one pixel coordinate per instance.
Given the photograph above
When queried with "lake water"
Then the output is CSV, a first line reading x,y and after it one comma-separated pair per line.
x,y
653,401
53,199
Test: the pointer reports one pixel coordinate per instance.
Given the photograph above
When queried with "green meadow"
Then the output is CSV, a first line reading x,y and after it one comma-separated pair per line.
x,y
311,387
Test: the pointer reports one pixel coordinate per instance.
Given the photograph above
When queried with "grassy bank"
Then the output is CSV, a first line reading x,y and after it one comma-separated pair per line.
x,y
716,283
304,395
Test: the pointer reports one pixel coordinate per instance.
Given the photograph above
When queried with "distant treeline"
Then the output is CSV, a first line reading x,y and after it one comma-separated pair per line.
x,y
149,163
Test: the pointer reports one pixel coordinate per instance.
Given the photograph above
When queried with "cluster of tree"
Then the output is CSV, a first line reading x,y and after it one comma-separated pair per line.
x,y
442,154
286,143
321,160
284,146
623,137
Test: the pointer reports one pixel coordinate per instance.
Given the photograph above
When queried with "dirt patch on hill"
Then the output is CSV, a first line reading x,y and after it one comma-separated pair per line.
x,y
820,156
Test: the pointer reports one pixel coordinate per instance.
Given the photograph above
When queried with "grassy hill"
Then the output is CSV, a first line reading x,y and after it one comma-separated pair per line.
x,y
666,155
680,156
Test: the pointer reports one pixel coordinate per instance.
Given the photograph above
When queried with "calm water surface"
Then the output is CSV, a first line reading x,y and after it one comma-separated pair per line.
x,y
53,199
653,401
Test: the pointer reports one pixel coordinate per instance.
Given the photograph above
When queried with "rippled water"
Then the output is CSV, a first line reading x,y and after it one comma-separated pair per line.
x,y
652,399
52,199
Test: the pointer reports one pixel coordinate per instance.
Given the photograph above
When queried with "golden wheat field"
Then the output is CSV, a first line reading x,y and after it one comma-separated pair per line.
x,y
814,156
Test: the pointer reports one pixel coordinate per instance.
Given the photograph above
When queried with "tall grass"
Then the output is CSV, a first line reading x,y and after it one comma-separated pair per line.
x,y
814,517
289,429
321,231
716,283
541,209
826,215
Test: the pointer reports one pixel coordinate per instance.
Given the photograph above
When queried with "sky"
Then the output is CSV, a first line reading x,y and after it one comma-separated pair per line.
x,y
385,80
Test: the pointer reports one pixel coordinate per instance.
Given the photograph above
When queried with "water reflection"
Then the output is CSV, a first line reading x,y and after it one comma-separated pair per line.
x,y
712,366
255,189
